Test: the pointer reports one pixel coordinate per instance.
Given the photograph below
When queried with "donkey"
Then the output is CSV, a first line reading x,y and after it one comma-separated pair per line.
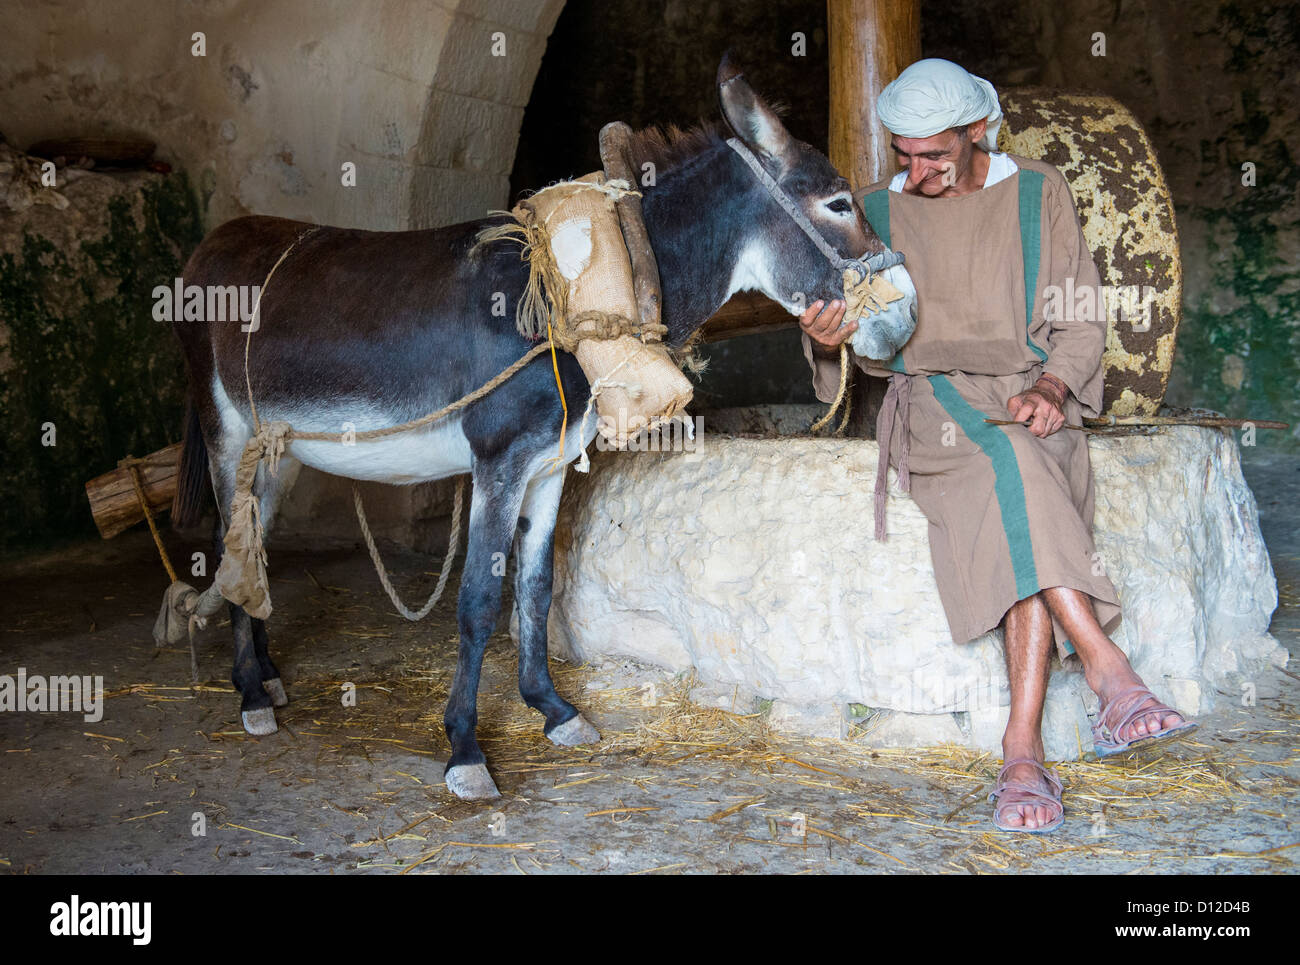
x,y
378,328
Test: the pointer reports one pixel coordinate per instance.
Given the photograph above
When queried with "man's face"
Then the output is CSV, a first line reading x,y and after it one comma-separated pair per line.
x,y
935,164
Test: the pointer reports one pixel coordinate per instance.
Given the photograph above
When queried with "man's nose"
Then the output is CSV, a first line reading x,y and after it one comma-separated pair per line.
x,y
916,173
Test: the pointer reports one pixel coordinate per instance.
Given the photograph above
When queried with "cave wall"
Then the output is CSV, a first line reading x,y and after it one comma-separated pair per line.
x,y
286,92
1214,84
290,89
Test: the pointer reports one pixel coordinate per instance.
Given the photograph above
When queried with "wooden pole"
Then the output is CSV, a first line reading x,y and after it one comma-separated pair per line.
x,y
871,41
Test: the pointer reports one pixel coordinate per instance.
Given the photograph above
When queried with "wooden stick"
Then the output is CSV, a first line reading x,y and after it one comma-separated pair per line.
x,y
132,465
1209,422
645,269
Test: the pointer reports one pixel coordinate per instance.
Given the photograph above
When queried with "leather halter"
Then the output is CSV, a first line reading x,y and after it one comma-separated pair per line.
x,y
864,266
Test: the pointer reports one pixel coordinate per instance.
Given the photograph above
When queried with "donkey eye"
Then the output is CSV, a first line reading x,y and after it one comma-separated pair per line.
x,y
839,206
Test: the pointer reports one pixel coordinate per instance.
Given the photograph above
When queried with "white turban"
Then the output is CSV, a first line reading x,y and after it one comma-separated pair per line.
x,y
933,95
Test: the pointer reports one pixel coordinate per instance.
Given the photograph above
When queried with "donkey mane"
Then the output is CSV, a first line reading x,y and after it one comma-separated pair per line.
x,y
671,147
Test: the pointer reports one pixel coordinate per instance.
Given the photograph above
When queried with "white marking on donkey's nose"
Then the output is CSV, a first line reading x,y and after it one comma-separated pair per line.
x,y
753,272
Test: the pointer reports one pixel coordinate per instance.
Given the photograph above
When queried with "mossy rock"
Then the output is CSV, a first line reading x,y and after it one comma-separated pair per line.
x,y
79,349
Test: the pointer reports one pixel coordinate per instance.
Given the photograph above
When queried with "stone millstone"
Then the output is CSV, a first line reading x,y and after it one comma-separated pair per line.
x,y
1127,213
752,563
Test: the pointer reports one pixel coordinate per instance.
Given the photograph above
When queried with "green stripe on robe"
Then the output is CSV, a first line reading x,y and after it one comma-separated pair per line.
x,y
875,206
1008,485
1031,244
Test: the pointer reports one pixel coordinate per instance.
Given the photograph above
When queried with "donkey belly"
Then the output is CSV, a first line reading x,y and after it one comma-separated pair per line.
x,y
418,455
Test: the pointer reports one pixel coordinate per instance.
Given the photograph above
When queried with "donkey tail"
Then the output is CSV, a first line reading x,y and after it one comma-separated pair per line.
x,y
192,486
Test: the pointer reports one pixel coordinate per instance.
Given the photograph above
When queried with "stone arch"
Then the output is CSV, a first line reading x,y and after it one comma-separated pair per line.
x,y
288,90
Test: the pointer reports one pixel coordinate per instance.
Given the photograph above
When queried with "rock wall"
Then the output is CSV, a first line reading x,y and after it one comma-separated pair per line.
x,y
1214,85
752,563
286,92
86,375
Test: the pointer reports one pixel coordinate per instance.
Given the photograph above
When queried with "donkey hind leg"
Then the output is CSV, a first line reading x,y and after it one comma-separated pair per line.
x,y
253,674
494,508
271,497
534,564
256,704
271,682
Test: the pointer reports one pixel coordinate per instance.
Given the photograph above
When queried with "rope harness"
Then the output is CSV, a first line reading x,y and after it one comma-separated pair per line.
x,y
864,266
241,577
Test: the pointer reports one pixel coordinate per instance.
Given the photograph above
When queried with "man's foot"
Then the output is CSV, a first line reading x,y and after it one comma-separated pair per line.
x,y
1134,717
1134,721
1028,797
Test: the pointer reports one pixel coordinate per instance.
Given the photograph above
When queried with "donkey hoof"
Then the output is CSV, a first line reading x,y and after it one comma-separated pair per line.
x,y
471,782
573,732
259,722
275,690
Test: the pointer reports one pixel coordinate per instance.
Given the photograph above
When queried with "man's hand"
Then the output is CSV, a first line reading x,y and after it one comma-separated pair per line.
x,y
823,326
1040,408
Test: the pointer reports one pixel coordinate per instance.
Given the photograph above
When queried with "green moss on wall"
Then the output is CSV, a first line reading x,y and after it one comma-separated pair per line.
x,y
85,355
1239,345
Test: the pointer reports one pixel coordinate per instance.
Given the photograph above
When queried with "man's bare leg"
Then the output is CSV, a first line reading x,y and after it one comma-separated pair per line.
x,y
1028,645
1105,667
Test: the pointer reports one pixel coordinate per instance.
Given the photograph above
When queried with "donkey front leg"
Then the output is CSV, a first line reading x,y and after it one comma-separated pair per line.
x,y
534,567
494,509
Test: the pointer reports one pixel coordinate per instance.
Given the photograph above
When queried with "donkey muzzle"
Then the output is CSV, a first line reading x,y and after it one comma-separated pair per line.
x,y
884,306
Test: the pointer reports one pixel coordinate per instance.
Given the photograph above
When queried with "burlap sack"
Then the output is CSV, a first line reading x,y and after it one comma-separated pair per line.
x,y
636,382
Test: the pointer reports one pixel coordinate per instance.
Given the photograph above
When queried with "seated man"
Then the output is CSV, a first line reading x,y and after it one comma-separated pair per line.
x,y
1010,507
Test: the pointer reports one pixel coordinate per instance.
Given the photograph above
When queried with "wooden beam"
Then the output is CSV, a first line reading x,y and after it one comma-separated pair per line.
x,y
871,41
113,500
747,313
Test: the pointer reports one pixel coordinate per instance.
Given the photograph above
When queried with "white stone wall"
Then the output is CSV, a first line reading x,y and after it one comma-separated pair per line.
x,y
752,562
287,92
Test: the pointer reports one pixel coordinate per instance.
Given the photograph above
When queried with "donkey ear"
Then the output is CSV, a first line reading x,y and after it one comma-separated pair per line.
x,y
749,116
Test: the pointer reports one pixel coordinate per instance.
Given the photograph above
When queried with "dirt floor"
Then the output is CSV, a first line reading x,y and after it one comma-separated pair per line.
x,y
673,787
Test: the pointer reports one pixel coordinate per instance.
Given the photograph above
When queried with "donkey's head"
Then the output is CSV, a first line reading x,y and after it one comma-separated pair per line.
x,y
778,257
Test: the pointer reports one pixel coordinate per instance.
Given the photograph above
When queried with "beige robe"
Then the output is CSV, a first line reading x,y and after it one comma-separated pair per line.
x,y
1010,514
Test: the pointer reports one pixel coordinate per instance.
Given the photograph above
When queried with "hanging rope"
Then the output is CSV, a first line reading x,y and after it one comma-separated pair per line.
x,y
452,543
841,397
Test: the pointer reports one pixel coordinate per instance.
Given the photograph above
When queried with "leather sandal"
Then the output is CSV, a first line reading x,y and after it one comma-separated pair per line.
x,y
1028,794
1123,710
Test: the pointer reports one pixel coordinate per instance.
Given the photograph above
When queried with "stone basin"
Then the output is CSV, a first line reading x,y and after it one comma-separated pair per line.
x,y
750,562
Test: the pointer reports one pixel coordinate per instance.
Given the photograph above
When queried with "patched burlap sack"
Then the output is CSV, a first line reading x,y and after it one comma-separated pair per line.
x,y
635,381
